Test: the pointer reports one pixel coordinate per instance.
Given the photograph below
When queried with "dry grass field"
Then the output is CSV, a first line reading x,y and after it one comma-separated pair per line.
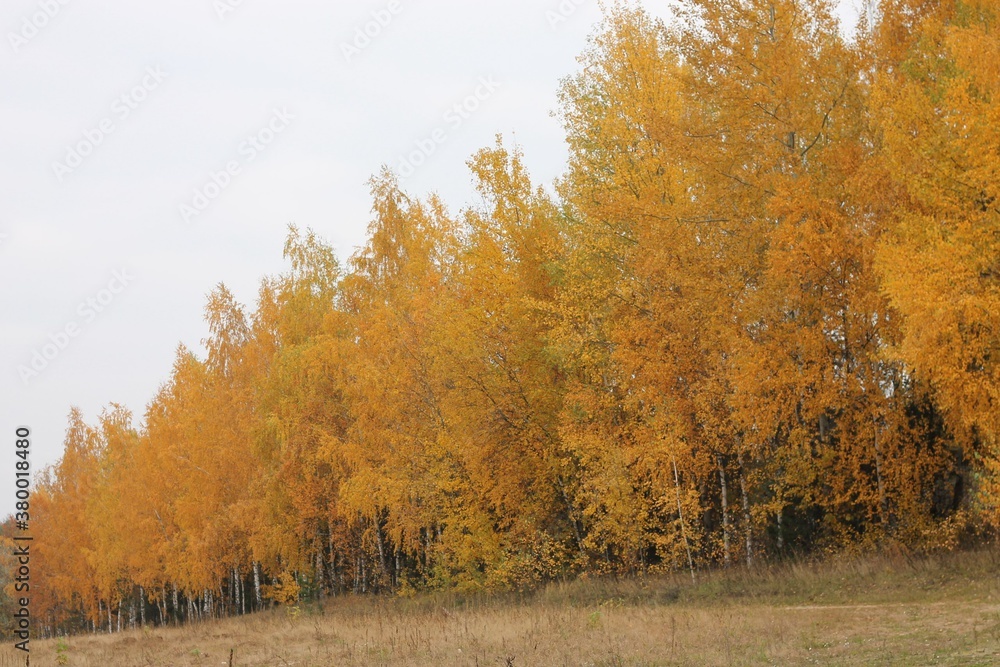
x,y
942,611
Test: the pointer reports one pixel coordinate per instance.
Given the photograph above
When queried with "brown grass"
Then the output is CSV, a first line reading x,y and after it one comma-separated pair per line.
x,y
943,611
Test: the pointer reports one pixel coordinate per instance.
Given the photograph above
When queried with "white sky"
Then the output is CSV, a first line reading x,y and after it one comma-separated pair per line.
x,y
61,241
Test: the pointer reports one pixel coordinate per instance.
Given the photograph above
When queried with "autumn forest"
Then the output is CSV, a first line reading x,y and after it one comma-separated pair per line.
x,y
757,318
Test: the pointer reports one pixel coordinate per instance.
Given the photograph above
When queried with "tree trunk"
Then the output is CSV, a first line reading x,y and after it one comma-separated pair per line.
x,y
256,585
383,563
357,575
320,570
364,576
680,514
234,594
883,499
781,529
177,606
399,550
572,516
747,524
335,583
726,549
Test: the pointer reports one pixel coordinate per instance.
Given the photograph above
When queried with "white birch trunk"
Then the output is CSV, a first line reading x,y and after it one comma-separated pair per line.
x,y
747,524
726,549
256,585
680,515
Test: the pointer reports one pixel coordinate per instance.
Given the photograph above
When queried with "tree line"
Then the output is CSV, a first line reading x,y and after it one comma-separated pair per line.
x,y
758,316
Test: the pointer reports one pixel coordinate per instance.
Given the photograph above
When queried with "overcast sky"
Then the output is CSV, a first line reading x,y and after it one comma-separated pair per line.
x,y
149,151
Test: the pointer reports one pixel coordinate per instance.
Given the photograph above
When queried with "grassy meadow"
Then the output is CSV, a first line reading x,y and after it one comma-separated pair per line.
x,y
885,611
